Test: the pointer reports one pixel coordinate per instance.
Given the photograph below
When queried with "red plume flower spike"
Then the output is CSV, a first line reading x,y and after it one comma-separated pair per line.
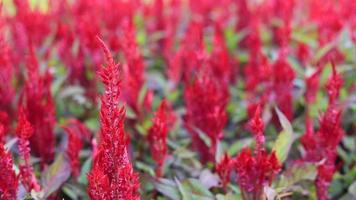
x,y
77,132
205,102
8,179
223,168
73,149
283,84
322,146
257,127
334,84
112,176
134,72
24,131
162,122
38,101
255,171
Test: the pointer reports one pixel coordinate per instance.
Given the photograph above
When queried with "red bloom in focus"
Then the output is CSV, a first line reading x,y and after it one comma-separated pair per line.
x,y
162,122
24,131
8,179
254,172
112,176
205,103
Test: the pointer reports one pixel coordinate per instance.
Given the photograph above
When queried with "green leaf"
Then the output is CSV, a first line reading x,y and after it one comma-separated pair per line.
x,y
144,167
203,136
197,190
56,174
182,190
285,138
352,189
84,171
321,52
168,188
296,174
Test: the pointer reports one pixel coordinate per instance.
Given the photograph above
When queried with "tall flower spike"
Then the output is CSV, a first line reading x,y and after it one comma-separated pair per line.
x,y
112,176
334,84
323,144
134,70
8,179
223,168
37,100
205,104
254,172
24,131
257,126
74,145
158,135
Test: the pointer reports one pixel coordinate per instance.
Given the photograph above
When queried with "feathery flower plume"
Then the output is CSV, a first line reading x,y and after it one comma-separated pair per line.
x,y
256,170
205,102
257,127
223,168
283,84
162,122
37,100
8,179
112,176
24,131
134,71
76,132
322,146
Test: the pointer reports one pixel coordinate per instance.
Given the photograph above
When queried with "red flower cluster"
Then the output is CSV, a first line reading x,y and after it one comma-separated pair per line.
x,y
322,146
8,179
24,132
112,176
162,122
38,101
76,132
206,103
255,170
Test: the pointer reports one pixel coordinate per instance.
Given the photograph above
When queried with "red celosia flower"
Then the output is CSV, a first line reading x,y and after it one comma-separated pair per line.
x,y
322,146
223,168
312,85
220,60
8,179
254,172
112,176
134,71
38,101
191,44
76,133
283,84
205,103
7,92
99,185
257,127
4,121
303,53
24,131
162,122
334,84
